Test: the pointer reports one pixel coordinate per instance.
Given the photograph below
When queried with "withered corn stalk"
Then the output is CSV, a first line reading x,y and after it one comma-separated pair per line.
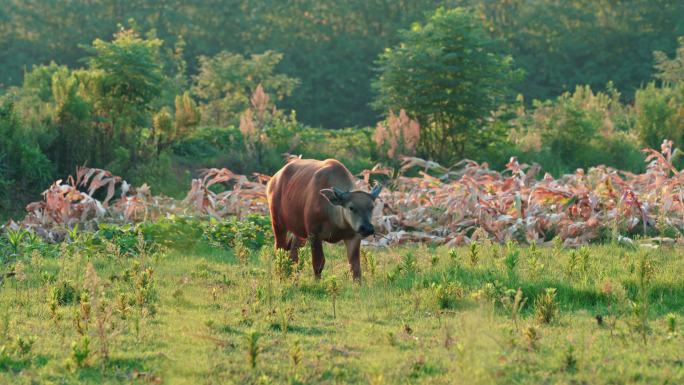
x,y
453,206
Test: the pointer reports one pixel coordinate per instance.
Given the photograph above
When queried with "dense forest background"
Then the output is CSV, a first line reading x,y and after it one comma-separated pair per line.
x,y
330,46
154,90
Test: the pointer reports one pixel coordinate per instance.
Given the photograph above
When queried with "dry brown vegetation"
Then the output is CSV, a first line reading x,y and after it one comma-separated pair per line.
x,y
513,204
425,202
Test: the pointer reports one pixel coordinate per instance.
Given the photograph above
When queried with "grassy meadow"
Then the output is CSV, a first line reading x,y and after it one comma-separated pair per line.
x,y
547,121
119,308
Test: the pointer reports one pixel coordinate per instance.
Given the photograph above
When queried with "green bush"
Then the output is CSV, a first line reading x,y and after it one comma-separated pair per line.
x,y
579,129
226,82
181,232
64,293
208,142
184,232
660,114
24,168
165,175
253,231
125,237
352,146
224,147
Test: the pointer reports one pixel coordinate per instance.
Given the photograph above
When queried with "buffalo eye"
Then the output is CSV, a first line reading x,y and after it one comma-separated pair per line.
x,y
352,208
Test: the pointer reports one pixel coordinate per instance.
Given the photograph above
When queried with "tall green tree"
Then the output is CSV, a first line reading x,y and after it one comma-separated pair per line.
x,y
126,77
449,74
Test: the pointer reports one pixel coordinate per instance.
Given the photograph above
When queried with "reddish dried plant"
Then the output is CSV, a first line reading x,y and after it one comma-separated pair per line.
x,y
248,128
254,121
440,205
399,135
259,101
241,197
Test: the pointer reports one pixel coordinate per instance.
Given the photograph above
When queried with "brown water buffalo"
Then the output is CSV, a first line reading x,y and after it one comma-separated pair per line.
x,y
313,199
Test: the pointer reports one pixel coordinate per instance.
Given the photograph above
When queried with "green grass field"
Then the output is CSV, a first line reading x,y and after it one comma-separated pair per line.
x,y
88,312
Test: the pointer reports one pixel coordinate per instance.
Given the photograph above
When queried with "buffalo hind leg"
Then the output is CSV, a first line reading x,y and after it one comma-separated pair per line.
x,y
294,243
280,235
317,257
353,251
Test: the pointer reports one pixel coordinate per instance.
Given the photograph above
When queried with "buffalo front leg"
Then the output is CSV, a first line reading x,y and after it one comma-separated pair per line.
x,y
317,257
353,251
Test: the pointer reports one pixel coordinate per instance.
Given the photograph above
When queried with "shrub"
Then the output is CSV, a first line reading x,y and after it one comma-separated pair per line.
x,y
183,232
23,166
409,264
546,306
579,129
124,237
660,114
670,71
368,261
207,142
253,348
447,294
280,134
80,352
284,267
64,293
23,345
253,230
333,288
187,115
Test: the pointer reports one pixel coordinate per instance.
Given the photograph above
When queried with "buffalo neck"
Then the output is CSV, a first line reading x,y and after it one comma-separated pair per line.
x,y
336,214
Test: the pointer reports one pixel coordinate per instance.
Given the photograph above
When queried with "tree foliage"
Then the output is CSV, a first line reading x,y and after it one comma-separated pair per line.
x,y
331,45
670,71
449,74
660,114
564,43
226,81
131,68
22,164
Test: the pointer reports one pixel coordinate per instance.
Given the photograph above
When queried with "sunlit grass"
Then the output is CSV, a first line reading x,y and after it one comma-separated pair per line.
x,y
425,315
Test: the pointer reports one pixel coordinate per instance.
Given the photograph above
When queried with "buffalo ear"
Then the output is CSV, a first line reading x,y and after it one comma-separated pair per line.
x,y
335,196
376,191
